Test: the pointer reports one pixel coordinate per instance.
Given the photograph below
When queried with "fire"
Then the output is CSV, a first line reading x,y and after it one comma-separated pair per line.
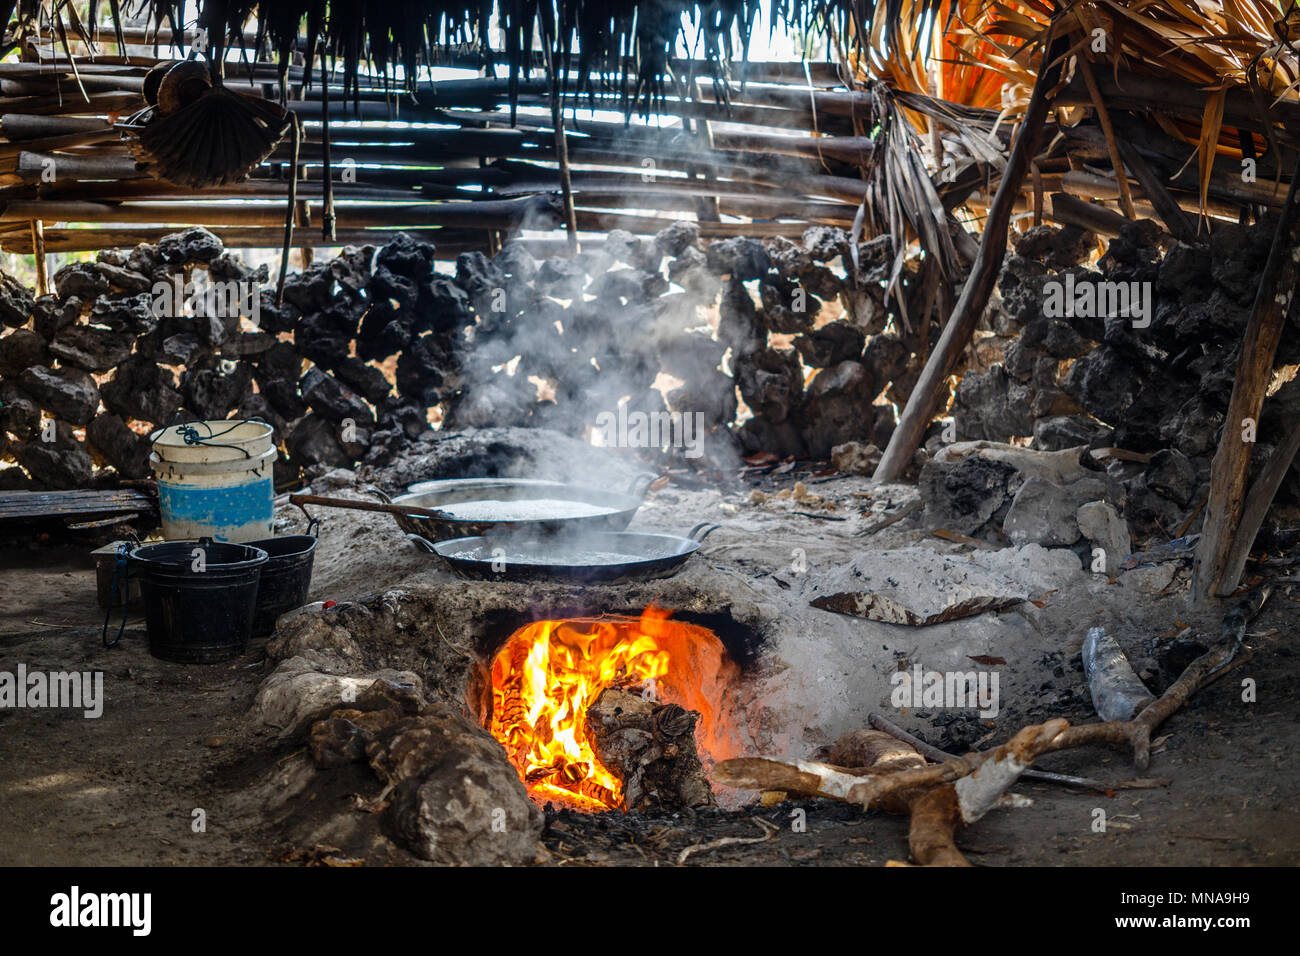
x,y
549,673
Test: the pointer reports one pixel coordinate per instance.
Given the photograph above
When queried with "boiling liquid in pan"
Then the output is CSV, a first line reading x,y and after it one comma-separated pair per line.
x,y
523,509
554,557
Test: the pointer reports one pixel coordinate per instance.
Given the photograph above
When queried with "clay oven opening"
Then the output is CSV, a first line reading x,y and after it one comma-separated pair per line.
x,y
614,712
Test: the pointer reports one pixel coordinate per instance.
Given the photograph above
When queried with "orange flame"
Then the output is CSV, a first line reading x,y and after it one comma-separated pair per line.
x,y
549,673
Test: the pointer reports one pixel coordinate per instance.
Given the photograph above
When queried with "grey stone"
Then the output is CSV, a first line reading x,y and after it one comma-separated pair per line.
x,y
20,349
69,393
739,258
1100,523
456,798
674,239
191,245
298,693
1045,513
92,348
141,389
855,458
1057,432
963,495
83,280
329,397
50,314
1172,475
838,408
824,243
16,302
314,440
128,452
830,344
61,464
20,414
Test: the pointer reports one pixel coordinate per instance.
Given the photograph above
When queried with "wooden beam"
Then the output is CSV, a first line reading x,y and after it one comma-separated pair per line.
x,y
924,401
1216,570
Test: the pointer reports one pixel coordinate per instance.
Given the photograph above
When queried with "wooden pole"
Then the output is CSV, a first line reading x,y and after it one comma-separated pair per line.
x,y
924,401
38,253
1219,561
561,141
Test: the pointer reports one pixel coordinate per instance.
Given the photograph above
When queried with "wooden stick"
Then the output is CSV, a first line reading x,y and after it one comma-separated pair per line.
x,y
561,141
1213,570
1259,500
38,252
359,505
1103,117
1175,220
923,403
290,212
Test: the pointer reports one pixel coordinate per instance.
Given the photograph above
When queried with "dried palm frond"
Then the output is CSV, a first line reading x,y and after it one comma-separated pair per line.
x,y
197,134
986,54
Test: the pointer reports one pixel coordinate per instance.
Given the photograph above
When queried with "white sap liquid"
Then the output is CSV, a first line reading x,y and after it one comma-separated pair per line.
x,y
557,558
523,509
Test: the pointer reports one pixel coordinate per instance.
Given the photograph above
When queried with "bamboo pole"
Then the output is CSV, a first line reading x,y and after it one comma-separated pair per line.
x,y
924,401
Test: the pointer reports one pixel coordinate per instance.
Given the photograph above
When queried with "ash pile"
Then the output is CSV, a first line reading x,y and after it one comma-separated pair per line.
x,y
1143,393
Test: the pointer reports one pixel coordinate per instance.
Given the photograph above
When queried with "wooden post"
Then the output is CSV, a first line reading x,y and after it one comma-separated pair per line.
x,y
38,253
924,400
1219,560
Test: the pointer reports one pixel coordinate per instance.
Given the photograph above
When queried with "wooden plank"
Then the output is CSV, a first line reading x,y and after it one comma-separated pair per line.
x,y
34,505
1219,561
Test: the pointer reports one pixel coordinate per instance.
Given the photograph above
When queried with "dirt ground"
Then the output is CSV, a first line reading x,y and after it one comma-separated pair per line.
x,y
126,788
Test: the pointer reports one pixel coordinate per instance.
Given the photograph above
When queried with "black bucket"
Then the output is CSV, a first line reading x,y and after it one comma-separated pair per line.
x,y
198,616
286,578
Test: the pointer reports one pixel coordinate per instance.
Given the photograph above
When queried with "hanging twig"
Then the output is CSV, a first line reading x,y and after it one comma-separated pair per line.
x,y
290,212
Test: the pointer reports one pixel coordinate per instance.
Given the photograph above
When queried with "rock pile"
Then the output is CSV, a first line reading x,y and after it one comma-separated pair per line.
x,y
1155,382
364,345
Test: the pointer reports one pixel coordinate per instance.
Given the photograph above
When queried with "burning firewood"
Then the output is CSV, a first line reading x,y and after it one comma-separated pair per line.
x,y
651,747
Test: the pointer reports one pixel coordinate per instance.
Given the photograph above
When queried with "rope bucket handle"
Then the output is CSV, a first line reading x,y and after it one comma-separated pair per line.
x,y
122,572
189,432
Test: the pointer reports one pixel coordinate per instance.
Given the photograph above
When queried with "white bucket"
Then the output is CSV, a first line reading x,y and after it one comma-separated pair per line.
x,y
219,483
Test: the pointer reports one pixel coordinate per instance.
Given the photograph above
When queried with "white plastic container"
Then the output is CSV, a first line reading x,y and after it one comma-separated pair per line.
x,y
219,483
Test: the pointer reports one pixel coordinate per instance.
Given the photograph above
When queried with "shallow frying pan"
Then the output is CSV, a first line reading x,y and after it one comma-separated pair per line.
x,y
589,557
476,506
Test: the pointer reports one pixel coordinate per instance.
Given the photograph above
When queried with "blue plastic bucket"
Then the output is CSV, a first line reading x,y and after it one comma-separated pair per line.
x,y
215,480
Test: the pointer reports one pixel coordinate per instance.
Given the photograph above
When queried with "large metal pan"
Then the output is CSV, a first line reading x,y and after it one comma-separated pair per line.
x,y
588,557
528,506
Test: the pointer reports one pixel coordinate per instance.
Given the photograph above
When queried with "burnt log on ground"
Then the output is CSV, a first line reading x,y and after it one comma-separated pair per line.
x,y
651,747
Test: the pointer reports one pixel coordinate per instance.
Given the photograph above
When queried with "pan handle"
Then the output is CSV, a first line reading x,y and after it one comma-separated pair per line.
x,y
641,483
703,530
423,543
